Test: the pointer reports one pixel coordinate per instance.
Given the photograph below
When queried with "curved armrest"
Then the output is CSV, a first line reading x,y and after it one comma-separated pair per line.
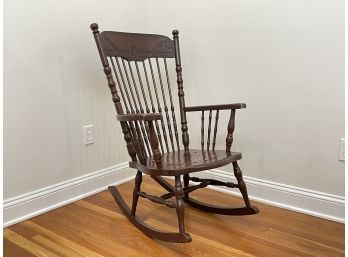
x,y
139,116
230,126
149,118
215,107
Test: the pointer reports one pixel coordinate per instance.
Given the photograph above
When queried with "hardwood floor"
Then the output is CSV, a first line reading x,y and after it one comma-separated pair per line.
x,y
95,226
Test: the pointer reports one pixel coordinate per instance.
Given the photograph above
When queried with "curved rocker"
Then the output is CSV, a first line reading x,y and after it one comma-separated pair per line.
x,y
146,229
220,210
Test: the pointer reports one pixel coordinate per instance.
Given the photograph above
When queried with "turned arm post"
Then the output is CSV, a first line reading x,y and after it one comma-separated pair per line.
x,y
154,143
230,129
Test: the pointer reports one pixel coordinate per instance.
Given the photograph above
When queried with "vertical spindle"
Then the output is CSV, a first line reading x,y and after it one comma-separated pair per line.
x,y
139,124
172,105
142,88
215,128
124,85
153,107
202,130
165,105
209,129
159,105
142,124
119,85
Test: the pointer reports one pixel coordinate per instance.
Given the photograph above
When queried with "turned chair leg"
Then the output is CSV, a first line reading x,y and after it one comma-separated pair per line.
x,y
179,195
186,183
241,184
136,190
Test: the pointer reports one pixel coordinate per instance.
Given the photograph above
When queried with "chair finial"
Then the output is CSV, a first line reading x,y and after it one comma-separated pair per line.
x,y
94,27
175,33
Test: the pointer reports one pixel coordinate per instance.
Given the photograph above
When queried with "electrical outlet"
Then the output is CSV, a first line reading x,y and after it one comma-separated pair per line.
x,y
88,134
342,150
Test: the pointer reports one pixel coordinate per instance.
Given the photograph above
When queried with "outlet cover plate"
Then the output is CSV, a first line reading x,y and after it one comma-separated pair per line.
x,y
88,134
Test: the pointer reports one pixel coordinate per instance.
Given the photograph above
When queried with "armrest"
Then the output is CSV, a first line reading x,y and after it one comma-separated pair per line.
x,y
139,116
215,107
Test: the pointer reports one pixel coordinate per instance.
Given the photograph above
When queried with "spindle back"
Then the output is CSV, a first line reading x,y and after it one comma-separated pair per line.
x,y
137,67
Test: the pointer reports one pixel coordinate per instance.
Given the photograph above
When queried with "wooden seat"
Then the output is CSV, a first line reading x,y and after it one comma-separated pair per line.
x,y
176,163
138,72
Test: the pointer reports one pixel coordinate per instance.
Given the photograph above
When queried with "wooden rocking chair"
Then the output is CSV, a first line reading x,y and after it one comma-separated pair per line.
x,y
139,63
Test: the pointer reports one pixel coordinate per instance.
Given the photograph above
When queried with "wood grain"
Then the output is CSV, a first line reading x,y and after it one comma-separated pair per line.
x,y
178,163
26,244
95,226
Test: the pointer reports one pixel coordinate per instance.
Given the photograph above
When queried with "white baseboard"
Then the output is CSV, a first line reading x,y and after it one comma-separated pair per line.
x,y
297,199
34,203
302,200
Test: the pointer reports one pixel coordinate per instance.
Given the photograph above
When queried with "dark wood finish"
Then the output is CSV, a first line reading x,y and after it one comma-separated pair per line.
x,y
215,128
209,129
139,116
202,130
149,231
136,191
179,195
230,130
135,46
169,127
156,199
221,210
129,142
163,183
152,106
154,145
174,164
181,94
214,107
213,182
172,106
164,133
150,128
241,183
186,179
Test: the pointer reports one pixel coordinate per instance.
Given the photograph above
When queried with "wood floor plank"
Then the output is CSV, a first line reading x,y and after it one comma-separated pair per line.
x,y
28,245
301,244
180,248
61,240
60,250
111,234
205,243
95,226
13,250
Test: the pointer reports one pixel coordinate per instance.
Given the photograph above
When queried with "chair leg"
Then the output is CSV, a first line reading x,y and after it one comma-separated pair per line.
x,y
143,227
241,184
136,190
179,195
186,183
248,210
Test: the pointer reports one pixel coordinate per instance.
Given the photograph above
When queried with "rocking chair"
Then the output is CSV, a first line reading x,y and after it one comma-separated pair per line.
x,y
137,62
